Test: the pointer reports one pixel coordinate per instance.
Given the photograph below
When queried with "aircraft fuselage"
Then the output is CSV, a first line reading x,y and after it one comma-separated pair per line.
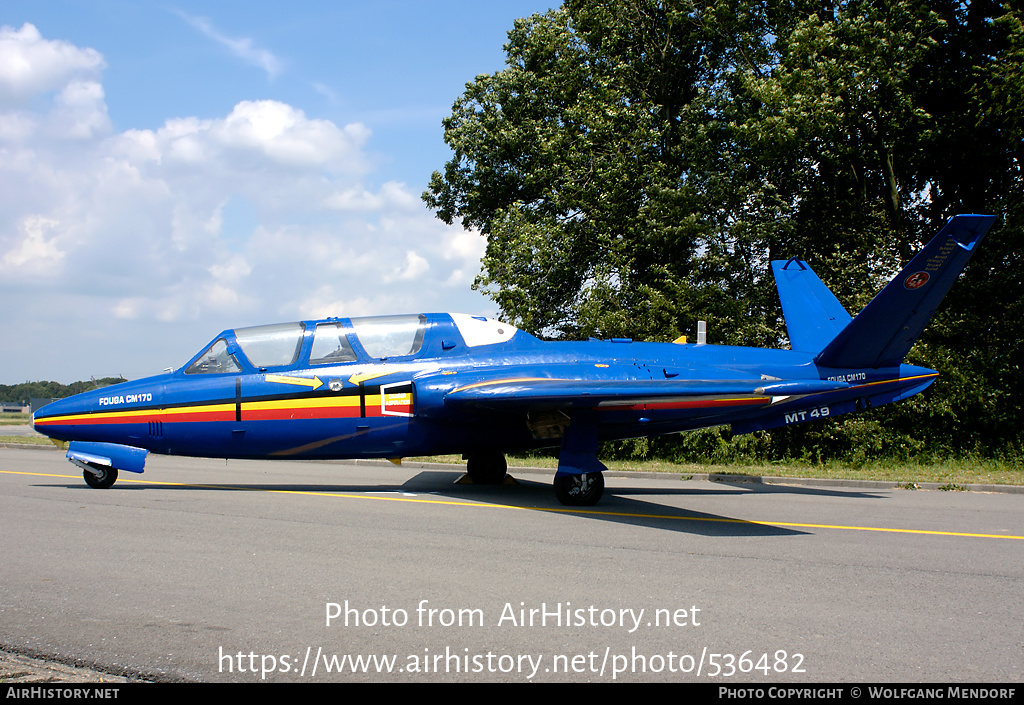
x,y
392,408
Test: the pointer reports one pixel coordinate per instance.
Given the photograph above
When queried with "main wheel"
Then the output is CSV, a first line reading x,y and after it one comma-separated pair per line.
x,y
107,476
486,468
579,490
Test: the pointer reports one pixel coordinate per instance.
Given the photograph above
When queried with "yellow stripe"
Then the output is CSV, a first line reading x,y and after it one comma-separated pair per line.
x,y
311,403
302,403
898,379
95,415
126,414
514,379
183,410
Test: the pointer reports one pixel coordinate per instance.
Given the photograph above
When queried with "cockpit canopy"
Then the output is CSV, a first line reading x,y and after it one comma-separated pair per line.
x,y
334,342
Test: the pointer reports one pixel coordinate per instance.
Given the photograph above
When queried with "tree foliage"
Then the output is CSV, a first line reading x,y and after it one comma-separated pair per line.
x,y
26,391
639,162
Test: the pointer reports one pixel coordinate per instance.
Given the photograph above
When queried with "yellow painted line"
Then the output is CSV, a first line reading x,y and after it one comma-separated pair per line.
x,y
553,510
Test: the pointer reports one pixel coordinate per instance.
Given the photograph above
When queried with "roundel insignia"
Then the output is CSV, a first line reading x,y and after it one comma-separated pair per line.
x,y
916,280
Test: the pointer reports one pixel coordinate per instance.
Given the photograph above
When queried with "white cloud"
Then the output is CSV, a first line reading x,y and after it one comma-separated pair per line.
x,y
242,47
34,253
414,268
264,134
465,245
391,195
262,214
30,65
16,127
327,92
234,269
80,111
286,136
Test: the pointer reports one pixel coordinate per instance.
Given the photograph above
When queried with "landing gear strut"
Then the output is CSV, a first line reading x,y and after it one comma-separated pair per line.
x,y
486,468
579,481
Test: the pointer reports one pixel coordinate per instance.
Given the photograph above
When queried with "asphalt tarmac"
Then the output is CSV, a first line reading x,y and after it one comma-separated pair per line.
x,y
213,570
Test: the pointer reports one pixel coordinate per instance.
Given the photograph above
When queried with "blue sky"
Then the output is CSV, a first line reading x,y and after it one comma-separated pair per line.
x,y
171,170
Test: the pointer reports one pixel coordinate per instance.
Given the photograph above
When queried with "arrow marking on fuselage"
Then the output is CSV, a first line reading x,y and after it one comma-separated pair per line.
x,y
314,383
363,376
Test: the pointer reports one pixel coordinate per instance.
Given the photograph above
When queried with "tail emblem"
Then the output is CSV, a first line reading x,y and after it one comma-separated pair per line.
x,y
916,281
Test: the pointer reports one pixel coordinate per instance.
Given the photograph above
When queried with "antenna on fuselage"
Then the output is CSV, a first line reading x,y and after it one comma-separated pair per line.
x,y
702,332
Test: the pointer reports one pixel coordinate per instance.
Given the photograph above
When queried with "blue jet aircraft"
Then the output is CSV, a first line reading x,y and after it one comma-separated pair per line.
x,y
430,384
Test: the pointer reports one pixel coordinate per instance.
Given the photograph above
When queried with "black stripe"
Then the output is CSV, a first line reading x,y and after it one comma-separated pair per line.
x,y
238,398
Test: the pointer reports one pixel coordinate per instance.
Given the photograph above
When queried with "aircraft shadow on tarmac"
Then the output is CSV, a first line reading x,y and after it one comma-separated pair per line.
x,y
620,505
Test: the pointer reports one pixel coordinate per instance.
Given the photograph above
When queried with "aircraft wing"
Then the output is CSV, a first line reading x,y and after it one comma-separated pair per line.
x,y
532,392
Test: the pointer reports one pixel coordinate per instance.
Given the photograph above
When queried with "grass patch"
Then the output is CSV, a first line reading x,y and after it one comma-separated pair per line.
x,y
12,419
953,474
33,440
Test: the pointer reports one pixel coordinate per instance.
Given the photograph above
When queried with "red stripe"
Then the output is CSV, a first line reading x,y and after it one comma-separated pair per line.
x,y
87,420
336,412
703,404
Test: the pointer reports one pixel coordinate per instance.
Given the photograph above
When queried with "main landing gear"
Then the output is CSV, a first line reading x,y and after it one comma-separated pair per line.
x,y
572,489
579,481
487,468
99,477
583,490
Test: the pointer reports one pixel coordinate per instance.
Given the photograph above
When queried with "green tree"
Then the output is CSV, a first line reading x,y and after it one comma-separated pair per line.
x,y
26,391
571,163
639,162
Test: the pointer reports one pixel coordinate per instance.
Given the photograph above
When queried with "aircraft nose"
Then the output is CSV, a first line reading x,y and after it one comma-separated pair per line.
x,y
40,416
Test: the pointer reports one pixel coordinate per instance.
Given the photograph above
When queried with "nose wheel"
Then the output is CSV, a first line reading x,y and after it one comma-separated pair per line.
x,y
99,477
582,490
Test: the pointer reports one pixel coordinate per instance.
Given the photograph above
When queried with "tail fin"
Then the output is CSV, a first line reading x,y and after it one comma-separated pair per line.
x,y
882,334
813,314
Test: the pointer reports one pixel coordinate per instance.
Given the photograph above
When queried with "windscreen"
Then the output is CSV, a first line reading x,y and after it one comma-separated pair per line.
x,y
215,360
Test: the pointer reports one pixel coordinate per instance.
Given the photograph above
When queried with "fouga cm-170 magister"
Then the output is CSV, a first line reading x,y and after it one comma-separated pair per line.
x,y
429,384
